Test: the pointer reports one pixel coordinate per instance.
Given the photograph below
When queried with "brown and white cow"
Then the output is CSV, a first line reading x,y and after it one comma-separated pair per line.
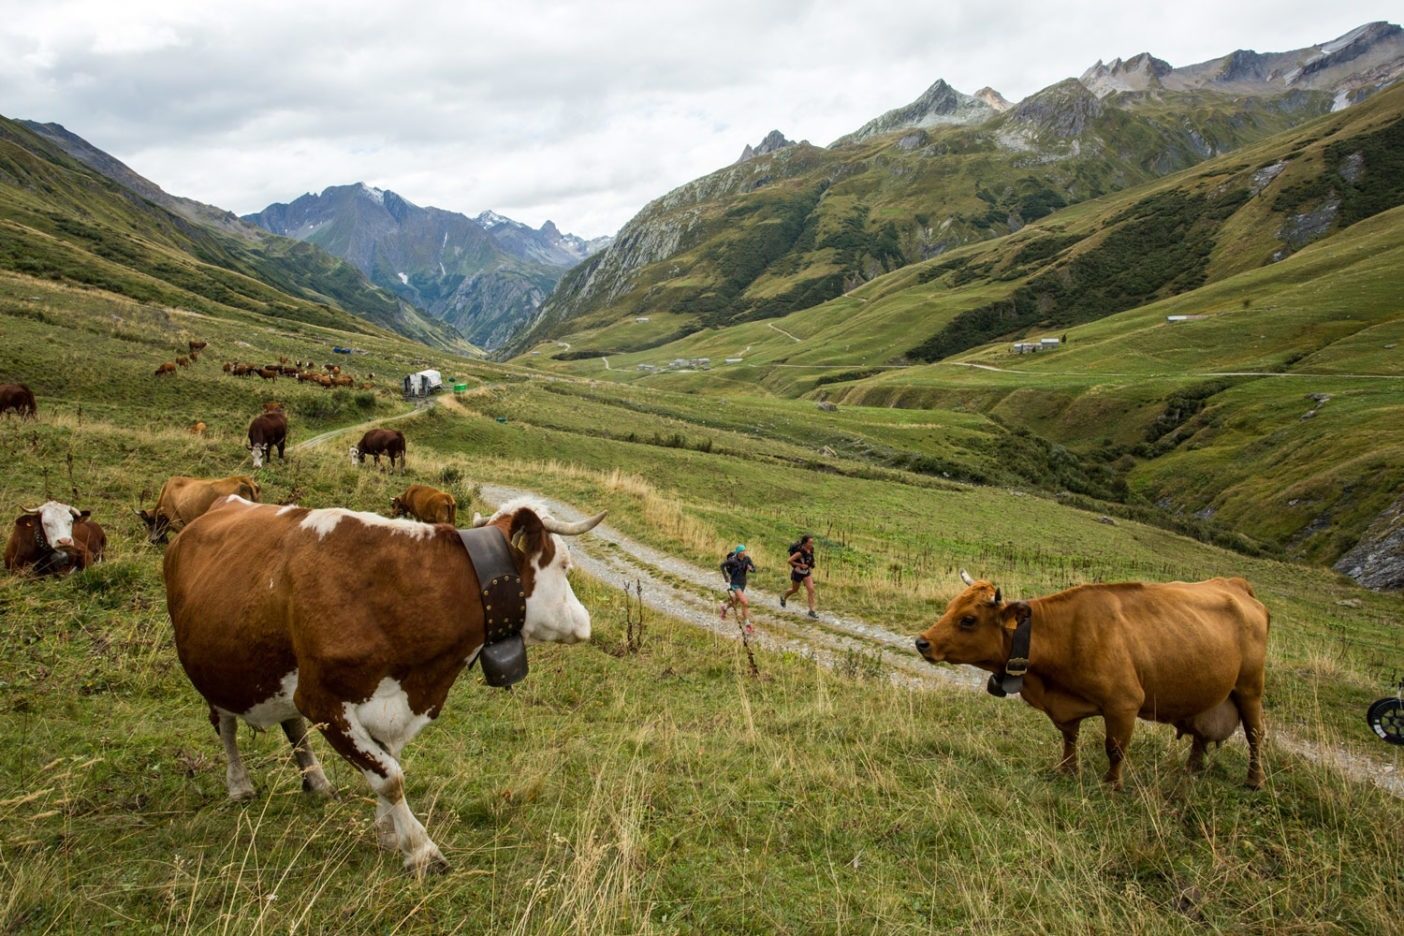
x,y
1190,654
357,622
268,430
18,398
54,539
378,442
425,503
184,498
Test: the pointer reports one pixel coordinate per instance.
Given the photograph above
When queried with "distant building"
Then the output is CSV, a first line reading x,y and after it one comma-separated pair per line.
x,y
1049,342
641,318
734,360
1184,318
1026,347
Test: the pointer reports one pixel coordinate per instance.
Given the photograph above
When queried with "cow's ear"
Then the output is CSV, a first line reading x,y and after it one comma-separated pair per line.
x,y
527,534
999,597
1015,613
84,514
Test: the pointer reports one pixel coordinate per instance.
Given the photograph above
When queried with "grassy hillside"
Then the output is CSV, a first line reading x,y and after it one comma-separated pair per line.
x,y
63,221
791,229
1196,421
662,791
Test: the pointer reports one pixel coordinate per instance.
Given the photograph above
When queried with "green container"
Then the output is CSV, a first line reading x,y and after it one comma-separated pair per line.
x,y
459,387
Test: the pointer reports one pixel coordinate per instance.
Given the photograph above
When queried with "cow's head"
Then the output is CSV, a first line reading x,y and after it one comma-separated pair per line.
x,y
157,525
54,522
976,628
553,613
398,508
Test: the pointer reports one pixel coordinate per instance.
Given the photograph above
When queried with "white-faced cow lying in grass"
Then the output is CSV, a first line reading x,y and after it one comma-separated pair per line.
x,y
1187,654
357,622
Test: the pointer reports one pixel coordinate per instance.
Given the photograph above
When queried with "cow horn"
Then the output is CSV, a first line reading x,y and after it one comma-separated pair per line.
x,y
965,577
479,520
573,529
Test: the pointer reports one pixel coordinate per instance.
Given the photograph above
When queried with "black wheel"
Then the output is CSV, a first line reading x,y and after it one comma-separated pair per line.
x,y
1386,718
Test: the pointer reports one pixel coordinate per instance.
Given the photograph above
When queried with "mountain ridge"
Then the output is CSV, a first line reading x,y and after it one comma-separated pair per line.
x,y
482,276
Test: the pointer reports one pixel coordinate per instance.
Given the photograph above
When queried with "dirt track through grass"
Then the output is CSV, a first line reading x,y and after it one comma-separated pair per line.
x,y
692,594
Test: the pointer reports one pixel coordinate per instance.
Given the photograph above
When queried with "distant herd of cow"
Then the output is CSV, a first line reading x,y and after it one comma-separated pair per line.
x,y
328,376
362,623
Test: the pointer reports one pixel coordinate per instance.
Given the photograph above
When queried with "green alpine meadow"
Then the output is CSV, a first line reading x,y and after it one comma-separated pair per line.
x,y
1145,325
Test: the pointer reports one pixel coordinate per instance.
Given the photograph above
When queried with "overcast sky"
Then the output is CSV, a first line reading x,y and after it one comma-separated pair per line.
x,y
576,112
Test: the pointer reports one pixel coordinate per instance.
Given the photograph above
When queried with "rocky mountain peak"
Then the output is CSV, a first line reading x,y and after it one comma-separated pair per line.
x,y
938,104
993,98
1141,72
774,140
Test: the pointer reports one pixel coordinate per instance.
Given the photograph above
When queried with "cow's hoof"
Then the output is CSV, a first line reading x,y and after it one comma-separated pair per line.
x,y
323,790
1253,783
428,860
242,794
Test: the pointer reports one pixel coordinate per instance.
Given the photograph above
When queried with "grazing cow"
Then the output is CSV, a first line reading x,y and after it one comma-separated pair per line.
x,y
54,539
425,503
278,616
166,368
198,427
183,362
344,380
228,366
197,346
378,442
184,498
268,430
19,398
1187,654
267,373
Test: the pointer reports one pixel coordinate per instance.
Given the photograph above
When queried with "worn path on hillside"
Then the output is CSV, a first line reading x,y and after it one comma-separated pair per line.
x,y
682,590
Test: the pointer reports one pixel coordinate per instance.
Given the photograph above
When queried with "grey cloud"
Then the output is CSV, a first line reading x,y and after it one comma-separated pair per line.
x,y
577,113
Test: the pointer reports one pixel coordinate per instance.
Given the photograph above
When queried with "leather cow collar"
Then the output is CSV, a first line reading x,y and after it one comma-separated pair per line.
x,y
50,559
503,653
1009,679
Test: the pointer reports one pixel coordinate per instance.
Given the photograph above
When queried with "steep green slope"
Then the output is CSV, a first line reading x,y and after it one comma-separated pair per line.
x,y
1267,242
791,229
60,218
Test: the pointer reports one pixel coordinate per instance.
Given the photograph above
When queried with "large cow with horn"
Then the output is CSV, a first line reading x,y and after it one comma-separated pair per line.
x,y
1190,654
279,616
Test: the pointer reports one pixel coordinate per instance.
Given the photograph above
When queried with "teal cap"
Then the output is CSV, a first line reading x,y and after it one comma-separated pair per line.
x,y
741,547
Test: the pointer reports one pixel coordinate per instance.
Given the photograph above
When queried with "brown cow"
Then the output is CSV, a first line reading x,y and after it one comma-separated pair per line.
x,y
197,346
267,373
425,503
166,368
198,427
278,616
378,442
344,380
183,362
228,366
268,430
184,498
1187,654
20,399
54,539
